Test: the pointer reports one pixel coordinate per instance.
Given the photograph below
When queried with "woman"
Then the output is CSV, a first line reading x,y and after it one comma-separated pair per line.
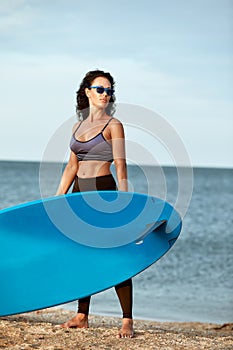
x,y
97,140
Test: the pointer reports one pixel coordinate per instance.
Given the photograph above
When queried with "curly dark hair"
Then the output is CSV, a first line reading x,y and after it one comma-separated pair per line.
x,y
82,108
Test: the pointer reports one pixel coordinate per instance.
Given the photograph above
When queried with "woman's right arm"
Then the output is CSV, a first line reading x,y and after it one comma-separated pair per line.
x,y
68,175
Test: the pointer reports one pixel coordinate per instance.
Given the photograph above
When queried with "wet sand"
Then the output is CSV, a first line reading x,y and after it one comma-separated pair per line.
x,y
36,330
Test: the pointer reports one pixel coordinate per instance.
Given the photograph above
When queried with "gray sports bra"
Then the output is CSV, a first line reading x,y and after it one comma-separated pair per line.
x,y
97,148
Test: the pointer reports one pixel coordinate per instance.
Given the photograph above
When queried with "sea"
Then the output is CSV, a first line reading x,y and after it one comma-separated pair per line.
x,y
194,280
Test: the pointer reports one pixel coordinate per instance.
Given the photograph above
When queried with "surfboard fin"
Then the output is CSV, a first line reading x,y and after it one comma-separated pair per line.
x,y
150,228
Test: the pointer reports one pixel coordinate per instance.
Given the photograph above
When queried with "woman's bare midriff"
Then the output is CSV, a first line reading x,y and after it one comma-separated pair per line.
x,y
93,168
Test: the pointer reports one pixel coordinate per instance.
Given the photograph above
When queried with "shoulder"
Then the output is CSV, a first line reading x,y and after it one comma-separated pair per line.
x,y
75,126
116,127
116,123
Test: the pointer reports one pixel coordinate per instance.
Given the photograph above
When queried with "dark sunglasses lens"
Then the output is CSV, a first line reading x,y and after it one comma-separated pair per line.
x,y
110,92
100,90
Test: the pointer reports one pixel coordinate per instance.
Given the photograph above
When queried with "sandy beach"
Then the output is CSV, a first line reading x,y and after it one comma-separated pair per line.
x,y
36,330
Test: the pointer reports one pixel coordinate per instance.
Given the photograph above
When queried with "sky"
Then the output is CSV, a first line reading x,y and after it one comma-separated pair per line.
x,y
170,58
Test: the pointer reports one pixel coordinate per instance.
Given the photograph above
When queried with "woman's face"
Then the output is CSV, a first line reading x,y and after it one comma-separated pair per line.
x,y
97,100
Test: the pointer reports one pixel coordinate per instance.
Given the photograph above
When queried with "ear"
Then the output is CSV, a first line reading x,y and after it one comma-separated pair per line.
x,y
87,92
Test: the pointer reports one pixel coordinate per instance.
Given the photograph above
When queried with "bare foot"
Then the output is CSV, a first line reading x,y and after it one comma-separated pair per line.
x,y
79,321
126,329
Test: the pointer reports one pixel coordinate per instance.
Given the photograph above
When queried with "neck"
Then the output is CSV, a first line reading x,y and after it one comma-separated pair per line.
x,y
96,113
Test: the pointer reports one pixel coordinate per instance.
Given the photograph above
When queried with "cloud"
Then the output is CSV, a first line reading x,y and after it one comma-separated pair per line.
x,y
16,15
158,55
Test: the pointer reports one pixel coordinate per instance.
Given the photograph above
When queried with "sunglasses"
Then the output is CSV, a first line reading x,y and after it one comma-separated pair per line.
x,y
101,89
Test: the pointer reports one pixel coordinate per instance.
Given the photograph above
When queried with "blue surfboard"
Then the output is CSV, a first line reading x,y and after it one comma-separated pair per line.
x,y
60,249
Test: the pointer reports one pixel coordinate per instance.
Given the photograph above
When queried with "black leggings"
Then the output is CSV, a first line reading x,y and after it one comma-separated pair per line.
x,y
124,290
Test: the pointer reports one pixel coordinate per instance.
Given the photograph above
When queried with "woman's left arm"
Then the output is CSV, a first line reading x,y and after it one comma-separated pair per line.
x,y
119,157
